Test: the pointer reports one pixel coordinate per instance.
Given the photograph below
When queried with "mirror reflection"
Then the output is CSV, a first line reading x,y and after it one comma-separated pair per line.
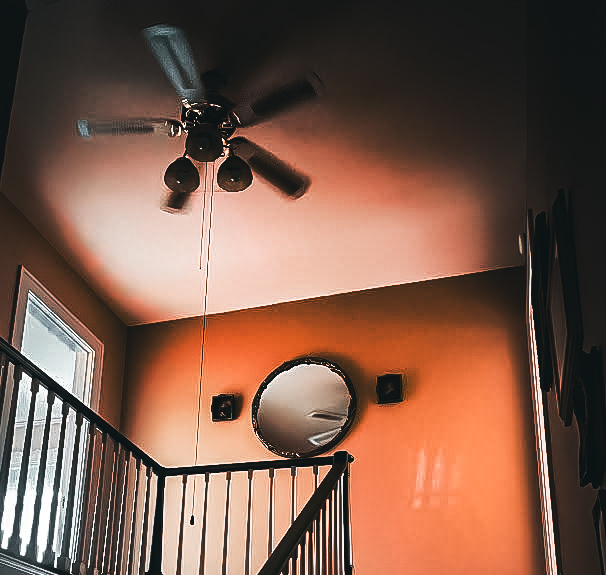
x,y
304,407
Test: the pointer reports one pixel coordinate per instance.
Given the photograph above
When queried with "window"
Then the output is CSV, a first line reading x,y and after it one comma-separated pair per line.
x,y
48,334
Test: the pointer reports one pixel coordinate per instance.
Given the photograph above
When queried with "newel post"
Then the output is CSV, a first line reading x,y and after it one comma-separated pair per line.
x,y
348,559
155,556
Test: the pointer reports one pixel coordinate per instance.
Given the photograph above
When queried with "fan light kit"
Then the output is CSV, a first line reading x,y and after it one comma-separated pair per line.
x,y
209,121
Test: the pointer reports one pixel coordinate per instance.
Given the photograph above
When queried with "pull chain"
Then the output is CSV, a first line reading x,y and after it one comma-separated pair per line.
x,y
208,175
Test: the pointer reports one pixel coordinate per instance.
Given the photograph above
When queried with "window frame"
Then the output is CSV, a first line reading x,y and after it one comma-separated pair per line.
x,y
29,283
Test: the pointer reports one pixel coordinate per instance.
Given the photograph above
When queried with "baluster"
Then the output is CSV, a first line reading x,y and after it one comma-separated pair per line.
x,y
338,530
226,524
4,369
303,554
292,564
8,446
286,568
317,534
347,558
270,528
112,498
96,538
123,513
203,533
143,556
329,524
293,508
88,501
49,555
107,507
14,543
117,521
3,376
335,530
293,494
324,549
133,532
317,544
112,510
155,554
248,524
310,548
181,526
32,548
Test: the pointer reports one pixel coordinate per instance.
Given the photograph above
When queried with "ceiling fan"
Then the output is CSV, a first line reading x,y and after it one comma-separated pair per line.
x,y
209,121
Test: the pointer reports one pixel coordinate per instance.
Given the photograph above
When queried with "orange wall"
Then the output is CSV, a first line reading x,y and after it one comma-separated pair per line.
x,y
442,483
21,244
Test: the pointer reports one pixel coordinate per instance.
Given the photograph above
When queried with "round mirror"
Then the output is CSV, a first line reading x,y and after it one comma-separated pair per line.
x,y
304,407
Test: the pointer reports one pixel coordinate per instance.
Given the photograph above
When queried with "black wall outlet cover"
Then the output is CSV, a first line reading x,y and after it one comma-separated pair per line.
x,y
222,407
390,388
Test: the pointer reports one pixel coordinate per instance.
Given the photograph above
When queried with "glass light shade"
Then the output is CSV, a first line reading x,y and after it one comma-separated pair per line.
x,y
182,176
234,175
204,143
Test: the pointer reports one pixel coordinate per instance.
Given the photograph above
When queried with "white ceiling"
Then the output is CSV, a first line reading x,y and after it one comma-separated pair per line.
x,y
415,151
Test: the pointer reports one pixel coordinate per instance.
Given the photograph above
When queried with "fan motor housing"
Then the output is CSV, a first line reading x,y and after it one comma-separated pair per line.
x,y
216,111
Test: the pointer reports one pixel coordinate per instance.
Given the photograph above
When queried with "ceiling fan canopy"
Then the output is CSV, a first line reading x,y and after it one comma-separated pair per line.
x,y
209,121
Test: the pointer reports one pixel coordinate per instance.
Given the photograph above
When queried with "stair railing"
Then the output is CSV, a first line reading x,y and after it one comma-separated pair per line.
x,y
75,494
318,542
275,517
78,497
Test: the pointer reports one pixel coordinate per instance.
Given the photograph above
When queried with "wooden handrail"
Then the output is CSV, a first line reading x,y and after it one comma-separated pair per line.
x,y
283,551
16,358
251,465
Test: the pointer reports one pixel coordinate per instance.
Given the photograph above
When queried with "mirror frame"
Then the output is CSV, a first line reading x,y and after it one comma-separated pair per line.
x,y
351,411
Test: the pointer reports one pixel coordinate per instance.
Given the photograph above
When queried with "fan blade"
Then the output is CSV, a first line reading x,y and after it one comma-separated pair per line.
x,y
173,52
279,174
87,129
182,179
280,100
175,202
